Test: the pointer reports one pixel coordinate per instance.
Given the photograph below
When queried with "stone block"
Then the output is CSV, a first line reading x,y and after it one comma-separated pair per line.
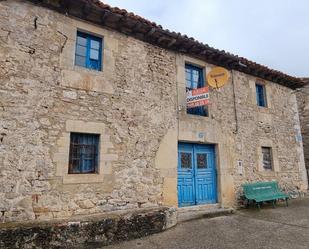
x,y
86,204
70,94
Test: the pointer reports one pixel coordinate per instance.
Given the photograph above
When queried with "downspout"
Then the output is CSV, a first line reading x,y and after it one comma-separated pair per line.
x,y
235,104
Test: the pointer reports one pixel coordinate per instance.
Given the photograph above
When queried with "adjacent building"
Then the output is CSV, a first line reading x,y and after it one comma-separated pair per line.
x,y
93,116
303,105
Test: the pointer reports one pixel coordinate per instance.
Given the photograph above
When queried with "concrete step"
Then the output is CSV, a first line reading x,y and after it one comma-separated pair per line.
x,y
200,212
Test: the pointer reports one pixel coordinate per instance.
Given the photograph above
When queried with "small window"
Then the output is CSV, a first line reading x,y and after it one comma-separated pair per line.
x,y
260,95
267,158
186,160
88,51
194,80
84,149
201,159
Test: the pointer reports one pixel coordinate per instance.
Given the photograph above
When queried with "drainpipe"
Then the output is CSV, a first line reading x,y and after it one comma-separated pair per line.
x,y
235,105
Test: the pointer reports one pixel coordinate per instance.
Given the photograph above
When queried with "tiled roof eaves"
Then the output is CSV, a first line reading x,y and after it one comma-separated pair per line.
x,y
128,23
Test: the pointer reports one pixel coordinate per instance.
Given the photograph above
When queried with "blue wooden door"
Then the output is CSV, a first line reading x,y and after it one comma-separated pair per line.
x,y
205,174
196,174
186,183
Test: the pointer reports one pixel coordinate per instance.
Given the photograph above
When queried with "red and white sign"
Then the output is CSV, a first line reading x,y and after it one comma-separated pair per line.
x,y
198,97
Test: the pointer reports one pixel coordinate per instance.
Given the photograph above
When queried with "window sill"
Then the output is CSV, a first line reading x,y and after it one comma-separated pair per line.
x,y
267,173
263,108
262,111
82,178
198,117
85,69
184,112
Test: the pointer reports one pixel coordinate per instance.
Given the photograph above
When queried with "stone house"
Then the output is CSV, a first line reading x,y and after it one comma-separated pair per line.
x,y
93,116
303,109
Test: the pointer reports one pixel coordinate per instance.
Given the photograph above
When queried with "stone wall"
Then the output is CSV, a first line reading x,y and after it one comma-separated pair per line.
x,y
276,126
137,105
92,232
43,96
239,134
303,106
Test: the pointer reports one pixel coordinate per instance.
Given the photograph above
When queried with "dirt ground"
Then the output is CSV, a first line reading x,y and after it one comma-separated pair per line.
x,y
282,227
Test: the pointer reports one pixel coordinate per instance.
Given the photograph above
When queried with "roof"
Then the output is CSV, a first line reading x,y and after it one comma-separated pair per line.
x,y
133,25
306,82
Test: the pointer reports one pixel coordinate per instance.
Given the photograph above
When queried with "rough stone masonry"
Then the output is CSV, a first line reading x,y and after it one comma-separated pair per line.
x,y
303,105
136,104
36,105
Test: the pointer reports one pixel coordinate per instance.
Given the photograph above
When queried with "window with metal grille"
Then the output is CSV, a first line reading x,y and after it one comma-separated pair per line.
x,y
194,80
84,150
88,51
267,158
260,95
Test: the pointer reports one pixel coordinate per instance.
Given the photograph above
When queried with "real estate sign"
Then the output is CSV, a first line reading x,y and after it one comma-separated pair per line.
x,y
198,97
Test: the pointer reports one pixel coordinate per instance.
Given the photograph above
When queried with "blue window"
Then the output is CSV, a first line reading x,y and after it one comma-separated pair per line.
x,y
84,150
194,80
88,51
260,95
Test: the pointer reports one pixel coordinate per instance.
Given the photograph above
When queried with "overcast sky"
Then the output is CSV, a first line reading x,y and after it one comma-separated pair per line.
x,y
271,32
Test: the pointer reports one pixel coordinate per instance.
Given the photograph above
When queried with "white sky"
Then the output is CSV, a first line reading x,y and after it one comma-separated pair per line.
x,y
271,32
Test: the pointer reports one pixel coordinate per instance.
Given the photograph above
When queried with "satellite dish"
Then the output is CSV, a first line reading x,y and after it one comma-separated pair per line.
x,y
218,77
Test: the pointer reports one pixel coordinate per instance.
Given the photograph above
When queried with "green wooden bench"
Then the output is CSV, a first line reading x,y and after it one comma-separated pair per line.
x,y
259,192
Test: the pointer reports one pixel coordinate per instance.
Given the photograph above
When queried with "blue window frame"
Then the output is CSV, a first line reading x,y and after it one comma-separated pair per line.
x,y
88,52
84,150
194,80
260,95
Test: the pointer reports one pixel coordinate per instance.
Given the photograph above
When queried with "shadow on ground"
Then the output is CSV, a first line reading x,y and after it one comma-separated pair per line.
x,y
283,227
